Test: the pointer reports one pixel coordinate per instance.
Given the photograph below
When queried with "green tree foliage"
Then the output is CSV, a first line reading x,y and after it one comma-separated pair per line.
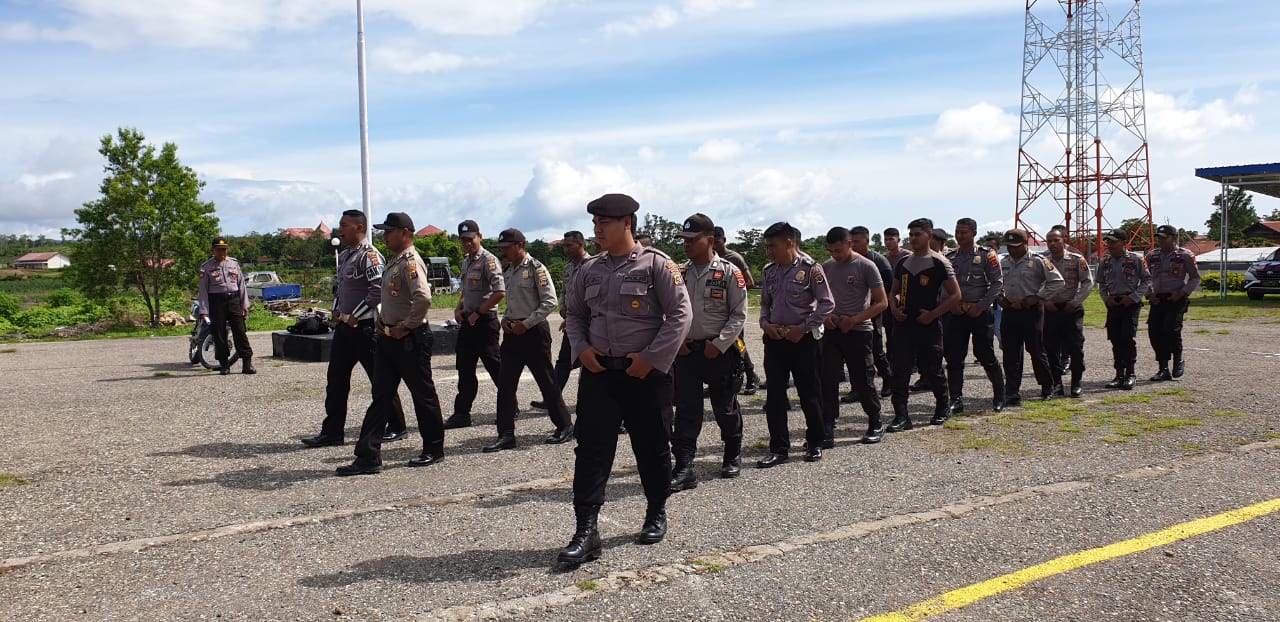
x,y
1240,214
149,232
1274,215
441,245
751,245
9,306
665,234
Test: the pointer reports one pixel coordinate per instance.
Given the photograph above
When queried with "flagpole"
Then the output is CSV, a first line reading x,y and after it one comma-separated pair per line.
x,y
364,114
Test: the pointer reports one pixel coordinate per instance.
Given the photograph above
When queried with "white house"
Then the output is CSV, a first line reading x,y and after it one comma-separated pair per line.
x,y
42,261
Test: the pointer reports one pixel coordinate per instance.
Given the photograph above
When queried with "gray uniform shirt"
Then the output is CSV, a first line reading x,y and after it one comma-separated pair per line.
x,y
1032,275
736,258
481,277
718,297
979,274
570,271
795,295
359,281
1172,271
531,296
1126,275
635,303
406,295
851,283
221,278
1075,271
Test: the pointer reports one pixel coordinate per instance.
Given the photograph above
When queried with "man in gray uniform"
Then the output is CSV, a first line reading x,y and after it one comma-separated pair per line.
x,y
526,341
628,316
574,247
718,298
225,299
860,238
752,383
978,273
1123,280
1029,280
359,291
1174,277
1064,312
858,293
482,290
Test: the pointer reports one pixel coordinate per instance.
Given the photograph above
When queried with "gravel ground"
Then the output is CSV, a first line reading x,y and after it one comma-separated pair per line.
x,y
125,445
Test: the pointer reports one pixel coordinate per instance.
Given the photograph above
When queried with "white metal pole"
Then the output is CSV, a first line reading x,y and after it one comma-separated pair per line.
x,y
1225,241
364,114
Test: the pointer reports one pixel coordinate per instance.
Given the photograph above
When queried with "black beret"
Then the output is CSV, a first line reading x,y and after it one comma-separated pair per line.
x,y
613,206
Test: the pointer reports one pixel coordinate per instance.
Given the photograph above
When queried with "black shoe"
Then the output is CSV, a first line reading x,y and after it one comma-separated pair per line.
x,y
813,454
1116,382
886,390
850,398
1162,375
321,440
622,429
426,458
683,478
355,468
900,423
998,403
457,421
920,385
1058,390
1013,399
772,460
1075,390
828,440
506,440
941,412
1046,393
1129,381
540,405
956,406
248,367
224,369
750,386
873,435
561,435
1179,368
585,544
731,467
389,436
654,529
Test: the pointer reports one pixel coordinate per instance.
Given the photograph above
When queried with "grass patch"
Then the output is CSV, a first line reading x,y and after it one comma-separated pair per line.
x,y
760,444
1137,398
162,374
955,425
1203,331
1099,419
12,480
709,564
1228,414
587,585
8,351
1224,332
1271,435
1172,392
1114,440
1070,428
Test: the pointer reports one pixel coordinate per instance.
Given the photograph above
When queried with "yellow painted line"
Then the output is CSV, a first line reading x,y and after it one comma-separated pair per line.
x,y
968,595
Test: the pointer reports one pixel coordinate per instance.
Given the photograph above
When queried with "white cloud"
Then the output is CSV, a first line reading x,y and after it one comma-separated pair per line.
x,y
968,132
1179,121
649,155
34,182
706,8
404,59
722,150
774,193
557,194
661,18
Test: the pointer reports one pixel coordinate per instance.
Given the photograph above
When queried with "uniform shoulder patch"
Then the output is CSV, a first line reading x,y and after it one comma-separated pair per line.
x,y
818,276
492,262
544,276
676,275
373,258
742,281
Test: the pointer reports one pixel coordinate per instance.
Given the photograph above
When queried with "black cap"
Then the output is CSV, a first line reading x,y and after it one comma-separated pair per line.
x,y
1015,237
509,237
941,234
468,229
718,231
1115,235
396,220
1167,230
697,225
613,206
220,241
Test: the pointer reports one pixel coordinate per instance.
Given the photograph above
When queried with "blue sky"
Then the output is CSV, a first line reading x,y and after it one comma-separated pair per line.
x,y
517,112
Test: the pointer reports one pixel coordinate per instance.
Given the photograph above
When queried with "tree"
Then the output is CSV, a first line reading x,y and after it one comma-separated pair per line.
x,y
149,232
1274,215
1240,214
665,235
751,244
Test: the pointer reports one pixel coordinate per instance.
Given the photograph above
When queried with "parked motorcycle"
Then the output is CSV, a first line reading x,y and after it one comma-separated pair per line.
x,y
200,344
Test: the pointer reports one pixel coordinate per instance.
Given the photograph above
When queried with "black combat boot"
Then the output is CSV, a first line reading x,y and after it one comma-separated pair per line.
x,y
875,431
1058,390
996,376
901,421
683,477
1163,374
751,385
957,405
941,411
732,464
655,524
585,545
223,368
1130,379
1075,383
248,366
1118,381
1179,366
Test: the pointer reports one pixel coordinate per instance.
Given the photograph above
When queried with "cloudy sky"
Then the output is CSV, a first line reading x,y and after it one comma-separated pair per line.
x,y
517,112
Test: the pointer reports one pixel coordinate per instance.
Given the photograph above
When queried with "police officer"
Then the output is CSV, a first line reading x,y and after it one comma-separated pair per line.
x,y
918,305
359,291
752,383
1064,312
1174,277
1029,280
718,298
526,341
224,299
978,273
628,315
403,352
794,304
482,290
860,238
574,247
857,291
1123,279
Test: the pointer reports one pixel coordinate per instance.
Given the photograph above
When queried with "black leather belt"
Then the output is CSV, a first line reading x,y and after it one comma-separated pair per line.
x,y
224,294
614,363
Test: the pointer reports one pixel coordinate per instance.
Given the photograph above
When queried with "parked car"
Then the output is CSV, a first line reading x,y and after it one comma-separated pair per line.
x,y
1263,277
267,287
441,277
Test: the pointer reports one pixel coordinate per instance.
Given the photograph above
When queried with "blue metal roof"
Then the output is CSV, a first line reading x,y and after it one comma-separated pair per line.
x,y
1260,178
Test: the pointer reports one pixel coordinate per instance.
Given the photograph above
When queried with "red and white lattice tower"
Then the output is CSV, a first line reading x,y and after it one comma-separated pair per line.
x,y
1082,154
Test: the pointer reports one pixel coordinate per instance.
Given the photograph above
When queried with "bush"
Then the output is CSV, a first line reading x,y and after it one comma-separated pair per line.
x,y
9,306
7,327
65,298
1211,283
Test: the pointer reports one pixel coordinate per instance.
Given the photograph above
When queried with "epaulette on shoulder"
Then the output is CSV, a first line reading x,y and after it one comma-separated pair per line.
x,y
655,250
808,261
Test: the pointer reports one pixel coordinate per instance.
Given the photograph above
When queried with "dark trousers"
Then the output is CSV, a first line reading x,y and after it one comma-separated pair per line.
x,y
478,342
225,309
351,346
1063,340
1164,328
958,332
565,363
852,349
407,359
917,346
1024,329
532,350
690,372
880,353
1122,332
801,361
605,400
